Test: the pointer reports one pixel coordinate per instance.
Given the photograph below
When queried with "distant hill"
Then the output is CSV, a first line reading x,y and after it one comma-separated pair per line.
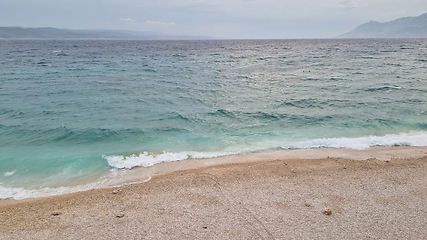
x,y
407,27
55,33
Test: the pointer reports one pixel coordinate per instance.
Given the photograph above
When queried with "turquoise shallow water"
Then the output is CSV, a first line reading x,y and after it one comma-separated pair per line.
x,y
73,109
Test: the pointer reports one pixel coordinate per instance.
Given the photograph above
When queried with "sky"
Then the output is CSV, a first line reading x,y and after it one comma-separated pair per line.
x,y
229,19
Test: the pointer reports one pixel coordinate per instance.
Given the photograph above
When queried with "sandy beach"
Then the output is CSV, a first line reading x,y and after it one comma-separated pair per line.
x,y
378,193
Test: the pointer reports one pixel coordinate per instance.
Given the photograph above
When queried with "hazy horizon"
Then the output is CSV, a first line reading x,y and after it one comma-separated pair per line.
x,y
232,19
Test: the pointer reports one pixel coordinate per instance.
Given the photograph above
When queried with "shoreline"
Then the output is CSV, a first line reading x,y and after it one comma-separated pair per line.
x,y
143,174
257,197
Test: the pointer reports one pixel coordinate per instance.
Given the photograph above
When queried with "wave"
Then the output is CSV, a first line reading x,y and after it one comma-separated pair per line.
x,y
416,139
20,135
22,193
112,178
18,193
147,159
384,88
92,134
222,113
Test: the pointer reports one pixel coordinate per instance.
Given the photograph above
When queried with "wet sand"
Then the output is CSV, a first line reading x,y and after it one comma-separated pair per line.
x,y
301,194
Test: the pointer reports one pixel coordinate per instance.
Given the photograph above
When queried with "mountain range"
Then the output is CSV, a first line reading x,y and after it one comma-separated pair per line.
x,y
407,27
55,33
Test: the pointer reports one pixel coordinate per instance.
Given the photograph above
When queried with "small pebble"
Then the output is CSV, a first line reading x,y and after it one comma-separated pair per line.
x,y
307,204
327,212
116,191
56,213
120,215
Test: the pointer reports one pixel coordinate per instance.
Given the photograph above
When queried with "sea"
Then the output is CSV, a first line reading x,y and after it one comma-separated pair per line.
x,y
76,113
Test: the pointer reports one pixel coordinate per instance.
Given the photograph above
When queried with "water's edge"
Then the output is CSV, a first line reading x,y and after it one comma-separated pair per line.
x,y
136,175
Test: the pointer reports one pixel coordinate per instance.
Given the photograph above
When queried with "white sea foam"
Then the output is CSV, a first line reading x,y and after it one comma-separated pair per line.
x,y
145,159
404,139
8,174
23,193
18,193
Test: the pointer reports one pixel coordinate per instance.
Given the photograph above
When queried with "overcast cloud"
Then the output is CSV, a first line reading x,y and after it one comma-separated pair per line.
x,y
217,18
